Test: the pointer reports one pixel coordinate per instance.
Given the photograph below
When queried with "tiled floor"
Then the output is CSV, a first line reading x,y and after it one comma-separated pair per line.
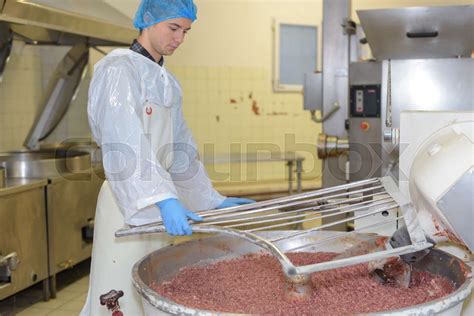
x,y
72,290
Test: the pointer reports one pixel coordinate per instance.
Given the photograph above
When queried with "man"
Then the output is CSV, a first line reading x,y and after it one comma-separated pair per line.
x,y
149,156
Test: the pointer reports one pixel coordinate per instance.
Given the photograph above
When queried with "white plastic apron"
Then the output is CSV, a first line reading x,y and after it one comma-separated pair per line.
x,y
113,258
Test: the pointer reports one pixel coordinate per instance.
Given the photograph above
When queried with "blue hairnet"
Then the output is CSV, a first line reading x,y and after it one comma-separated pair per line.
x,y
154,11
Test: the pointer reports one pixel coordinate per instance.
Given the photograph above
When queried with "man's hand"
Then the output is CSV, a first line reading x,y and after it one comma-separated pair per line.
x,y
175,217
234,201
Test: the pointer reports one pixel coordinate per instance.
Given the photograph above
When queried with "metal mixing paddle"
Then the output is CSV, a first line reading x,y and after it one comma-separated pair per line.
x,y
336,205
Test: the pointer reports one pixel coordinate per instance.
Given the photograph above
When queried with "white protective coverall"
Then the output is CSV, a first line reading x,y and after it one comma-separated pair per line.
x,y
149,155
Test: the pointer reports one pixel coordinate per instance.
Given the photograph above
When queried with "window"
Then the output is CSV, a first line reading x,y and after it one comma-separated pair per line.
x,y
295,53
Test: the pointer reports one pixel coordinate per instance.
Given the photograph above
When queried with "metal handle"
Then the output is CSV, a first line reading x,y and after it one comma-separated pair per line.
x,y
422,34
391,135
288,267
88,231
10,260
110,300
66,264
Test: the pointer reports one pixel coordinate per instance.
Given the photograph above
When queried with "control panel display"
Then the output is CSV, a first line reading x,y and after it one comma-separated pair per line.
x,y
365,101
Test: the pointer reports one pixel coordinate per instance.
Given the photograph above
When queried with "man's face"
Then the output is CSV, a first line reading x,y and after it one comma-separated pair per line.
x,y
165,37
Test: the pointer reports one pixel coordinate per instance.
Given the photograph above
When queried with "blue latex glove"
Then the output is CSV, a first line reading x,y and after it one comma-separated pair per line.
x,y
234,201
175,217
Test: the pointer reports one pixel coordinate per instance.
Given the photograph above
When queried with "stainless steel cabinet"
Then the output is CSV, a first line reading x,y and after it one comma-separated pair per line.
x,y
64,209
23,236
71,204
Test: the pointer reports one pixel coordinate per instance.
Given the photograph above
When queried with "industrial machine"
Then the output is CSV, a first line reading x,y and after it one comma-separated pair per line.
x,y
420,60
437,173
425,66
61,208
407,105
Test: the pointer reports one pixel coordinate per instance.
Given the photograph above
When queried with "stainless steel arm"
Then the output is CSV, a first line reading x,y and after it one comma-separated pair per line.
x,y
288,267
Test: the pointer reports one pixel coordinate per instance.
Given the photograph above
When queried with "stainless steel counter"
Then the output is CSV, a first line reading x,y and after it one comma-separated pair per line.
x,y
18,185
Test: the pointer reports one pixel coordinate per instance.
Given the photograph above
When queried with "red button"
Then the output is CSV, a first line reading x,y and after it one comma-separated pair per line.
x,y
364,126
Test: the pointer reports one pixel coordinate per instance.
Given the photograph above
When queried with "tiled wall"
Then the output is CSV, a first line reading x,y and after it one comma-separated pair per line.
x,y
232,109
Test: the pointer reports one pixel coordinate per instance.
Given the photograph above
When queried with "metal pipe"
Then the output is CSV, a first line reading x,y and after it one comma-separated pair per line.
x,y
314,209
290,177
299,170
325,116
291,198
282,216
326,216
331,146
280,206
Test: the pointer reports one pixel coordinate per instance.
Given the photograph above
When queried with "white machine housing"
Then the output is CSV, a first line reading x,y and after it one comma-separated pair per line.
x,y
437,172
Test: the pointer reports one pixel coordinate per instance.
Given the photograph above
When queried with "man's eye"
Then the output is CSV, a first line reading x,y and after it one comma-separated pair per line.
x,y
173,29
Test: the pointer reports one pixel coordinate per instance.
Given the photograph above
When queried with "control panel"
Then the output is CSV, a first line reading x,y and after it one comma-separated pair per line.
x,y
365,101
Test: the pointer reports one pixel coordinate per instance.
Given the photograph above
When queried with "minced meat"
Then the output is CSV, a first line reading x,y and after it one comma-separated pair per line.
x,y
255,284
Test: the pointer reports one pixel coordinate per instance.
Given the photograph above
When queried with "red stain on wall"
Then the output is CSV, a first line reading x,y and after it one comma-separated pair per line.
x,y
255,108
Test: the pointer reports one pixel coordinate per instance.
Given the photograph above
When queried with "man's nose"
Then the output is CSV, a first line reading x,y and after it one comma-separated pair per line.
x,y
179,37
